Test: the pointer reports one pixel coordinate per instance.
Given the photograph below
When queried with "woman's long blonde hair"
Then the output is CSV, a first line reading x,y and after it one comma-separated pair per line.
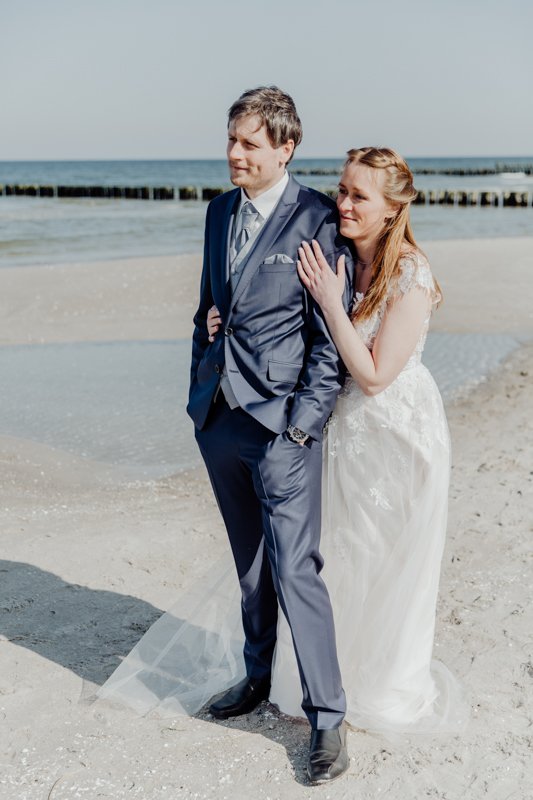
x,y
398,190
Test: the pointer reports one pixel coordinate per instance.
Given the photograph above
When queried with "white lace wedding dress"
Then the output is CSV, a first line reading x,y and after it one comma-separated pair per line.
x,y
385,495
385,498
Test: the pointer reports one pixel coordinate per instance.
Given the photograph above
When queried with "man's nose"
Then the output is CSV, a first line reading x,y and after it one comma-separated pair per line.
x,y
235,152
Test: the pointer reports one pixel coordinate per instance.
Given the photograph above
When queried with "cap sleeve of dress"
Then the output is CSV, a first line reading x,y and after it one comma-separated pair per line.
x,y
415,271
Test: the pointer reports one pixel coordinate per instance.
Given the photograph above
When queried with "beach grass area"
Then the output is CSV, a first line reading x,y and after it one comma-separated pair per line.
x,y
90,558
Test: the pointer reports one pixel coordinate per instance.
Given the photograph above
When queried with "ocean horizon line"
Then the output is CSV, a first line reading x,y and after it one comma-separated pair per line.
x,y
223,160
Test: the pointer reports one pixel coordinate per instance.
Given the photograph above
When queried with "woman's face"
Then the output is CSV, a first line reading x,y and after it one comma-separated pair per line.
x,y
362,206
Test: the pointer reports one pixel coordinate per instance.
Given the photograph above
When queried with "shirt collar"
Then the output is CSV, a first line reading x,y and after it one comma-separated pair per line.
x,y
265,203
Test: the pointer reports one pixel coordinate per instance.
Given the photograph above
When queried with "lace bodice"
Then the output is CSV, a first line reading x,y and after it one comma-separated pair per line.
x,y
415,271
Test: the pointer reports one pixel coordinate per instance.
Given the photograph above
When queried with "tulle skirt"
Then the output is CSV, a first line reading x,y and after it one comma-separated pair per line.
x,y
385,498
385,492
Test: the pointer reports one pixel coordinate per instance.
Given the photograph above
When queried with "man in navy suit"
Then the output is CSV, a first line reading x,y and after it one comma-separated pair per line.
x,y
261,392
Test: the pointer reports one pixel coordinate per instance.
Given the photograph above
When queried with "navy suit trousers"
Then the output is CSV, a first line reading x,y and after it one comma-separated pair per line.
x,y
268,489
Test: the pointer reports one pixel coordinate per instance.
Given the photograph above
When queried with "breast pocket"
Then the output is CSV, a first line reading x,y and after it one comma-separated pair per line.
x,y
279,263
279,268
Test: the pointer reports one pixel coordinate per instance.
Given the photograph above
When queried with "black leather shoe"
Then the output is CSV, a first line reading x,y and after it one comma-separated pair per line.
x,y
242,698
328,755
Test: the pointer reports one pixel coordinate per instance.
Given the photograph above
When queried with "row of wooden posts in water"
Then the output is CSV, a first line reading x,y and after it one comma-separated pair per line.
x,y
498,169
473,198
430,197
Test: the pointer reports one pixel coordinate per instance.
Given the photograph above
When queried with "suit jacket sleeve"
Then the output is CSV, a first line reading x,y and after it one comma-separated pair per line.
x,y
324,372
200,337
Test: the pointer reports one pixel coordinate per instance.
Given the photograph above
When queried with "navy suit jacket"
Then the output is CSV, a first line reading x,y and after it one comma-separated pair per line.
x,y
280,359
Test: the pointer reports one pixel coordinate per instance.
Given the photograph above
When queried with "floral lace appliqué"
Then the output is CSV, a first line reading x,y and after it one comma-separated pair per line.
x,y
378,495
399,462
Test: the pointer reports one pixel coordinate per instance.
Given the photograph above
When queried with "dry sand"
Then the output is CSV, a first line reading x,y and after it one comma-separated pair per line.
x,y
89,561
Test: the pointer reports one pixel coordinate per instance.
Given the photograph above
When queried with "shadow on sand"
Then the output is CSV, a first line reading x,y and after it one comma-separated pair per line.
x,y
90,631
87,631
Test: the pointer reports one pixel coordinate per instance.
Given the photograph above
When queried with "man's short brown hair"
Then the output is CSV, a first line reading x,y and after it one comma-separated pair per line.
x,y
276,110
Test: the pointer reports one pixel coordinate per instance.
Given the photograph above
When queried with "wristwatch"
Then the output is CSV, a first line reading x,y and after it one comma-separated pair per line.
x,y
296,434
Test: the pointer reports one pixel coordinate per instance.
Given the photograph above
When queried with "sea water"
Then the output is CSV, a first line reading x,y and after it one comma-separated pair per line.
x,y
36,230
123,403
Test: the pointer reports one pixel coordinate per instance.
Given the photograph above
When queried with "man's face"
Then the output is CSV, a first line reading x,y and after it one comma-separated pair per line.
x,y
254,164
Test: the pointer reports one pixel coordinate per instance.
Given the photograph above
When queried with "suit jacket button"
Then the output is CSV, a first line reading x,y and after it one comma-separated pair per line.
x,y
228,331
217,368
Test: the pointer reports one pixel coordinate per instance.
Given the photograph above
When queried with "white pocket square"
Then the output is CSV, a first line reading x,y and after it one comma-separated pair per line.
x,y
278,258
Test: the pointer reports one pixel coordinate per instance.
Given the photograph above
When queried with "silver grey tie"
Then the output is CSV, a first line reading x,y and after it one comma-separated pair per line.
x,y
248,218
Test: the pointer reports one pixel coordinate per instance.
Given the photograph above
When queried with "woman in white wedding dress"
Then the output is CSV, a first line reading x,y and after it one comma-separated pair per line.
x,y
385,494
386,467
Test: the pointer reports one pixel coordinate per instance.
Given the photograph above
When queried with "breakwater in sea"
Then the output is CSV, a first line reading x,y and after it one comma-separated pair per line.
x,y
118,209
461,198
464,198
113,192
498,169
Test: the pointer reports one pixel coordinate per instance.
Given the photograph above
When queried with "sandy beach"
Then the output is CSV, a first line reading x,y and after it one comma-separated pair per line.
x,y
90,559
487,285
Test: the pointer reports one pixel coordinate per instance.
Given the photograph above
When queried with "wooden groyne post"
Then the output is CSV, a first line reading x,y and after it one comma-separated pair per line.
x,y
449,197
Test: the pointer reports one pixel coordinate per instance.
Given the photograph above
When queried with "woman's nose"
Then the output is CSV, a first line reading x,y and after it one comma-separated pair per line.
x,y
344,203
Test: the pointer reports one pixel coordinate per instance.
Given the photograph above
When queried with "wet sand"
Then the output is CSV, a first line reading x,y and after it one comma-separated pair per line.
x,y
487,285
89,561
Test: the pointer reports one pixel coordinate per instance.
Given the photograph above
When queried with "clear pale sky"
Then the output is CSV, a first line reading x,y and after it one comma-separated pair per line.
x,y
128,79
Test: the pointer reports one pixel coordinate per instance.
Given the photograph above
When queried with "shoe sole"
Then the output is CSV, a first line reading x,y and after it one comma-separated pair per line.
x,y
317,782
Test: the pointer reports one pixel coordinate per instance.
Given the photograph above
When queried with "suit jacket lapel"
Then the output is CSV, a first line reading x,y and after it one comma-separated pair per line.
x,y
278,220
220,278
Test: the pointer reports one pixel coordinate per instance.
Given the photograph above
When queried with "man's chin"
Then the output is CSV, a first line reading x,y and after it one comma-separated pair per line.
x,y
240,178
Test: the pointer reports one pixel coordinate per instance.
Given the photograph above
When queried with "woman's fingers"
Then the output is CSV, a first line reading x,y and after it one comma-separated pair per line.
x,y
310,255
319,255
303,275
308,261
214,320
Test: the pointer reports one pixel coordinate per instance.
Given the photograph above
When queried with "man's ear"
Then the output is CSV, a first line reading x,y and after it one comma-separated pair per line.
x,y
287,150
